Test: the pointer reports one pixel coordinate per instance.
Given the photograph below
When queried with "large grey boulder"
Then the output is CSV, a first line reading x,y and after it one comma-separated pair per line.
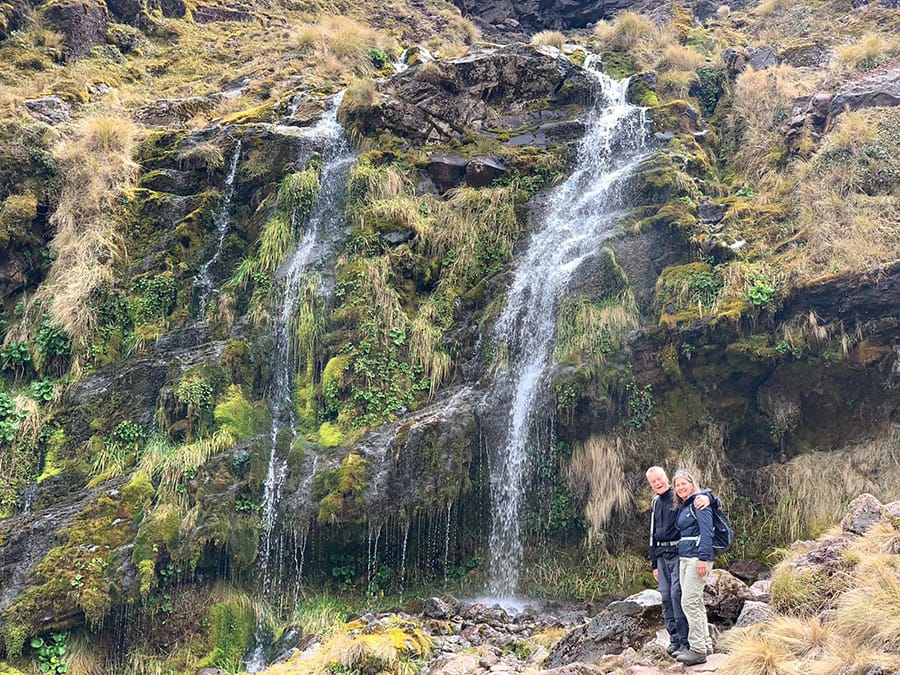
x,y
862,513
754,612
610,632
485,92
882,89
50,109
724,596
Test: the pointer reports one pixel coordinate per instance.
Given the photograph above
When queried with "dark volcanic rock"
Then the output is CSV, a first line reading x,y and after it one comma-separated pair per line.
x,y
535,15
482,171
210,14
607,633
83,25
446,170
879,89
501,90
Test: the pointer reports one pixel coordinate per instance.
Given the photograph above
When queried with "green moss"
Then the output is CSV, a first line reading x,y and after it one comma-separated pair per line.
x,y
338,489
235,413
159,533
55,442
618,65
231,627
330,435
261,114
6,669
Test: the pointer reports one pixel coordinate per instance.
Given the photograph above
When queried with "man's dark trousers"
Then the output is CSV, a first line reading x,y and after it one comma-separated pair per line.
x,y
670,589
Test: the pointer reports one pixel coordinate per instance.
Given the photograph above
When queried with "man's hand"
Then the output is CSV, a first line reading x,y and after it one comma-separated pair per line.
x,y
701,502
656,575
701,568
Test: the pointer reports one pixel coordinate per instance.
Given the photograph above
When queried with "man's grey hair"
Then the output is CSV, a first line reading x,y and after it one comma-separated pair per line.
x,y
656,469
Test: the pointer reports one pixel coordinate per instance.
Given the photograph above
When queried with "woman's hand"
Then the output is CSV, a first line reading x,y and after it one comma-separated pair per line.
x,y
702,568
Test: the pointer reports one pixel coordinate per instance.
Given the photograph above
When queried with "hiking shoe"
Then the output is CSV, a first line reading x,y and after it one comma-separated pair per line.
x,y
691,658
672,648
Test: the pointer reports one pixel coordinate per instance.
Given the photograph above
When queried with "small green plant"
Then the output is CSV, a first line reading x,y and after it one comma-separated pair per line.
x,y
169,573
379,57
745,191
761,291
41,391
687,349
127,434
640,405
53,344
194,391
245,504
343,569
9,418
15,357
49,653
156,298
77,581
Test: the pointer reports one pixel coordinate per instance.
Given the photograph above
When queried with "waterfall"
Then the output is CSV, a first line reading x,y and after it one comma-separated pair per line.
x,y
204,284
580,215
315,246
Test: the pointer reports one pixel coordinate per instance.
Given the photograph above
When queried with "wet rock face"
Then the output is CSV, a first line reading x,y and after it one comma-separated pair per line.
x,y
501,91
607,633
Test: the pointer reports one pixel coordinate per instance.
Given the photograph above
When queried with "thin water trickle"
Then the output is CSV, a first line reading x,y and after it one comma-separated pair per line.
x,y
580,216
204,283
314,246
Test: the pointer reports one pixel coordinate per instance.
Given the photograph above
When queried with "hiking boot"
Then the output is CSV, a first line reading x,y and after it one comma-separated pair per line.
x,y
672,648
691,658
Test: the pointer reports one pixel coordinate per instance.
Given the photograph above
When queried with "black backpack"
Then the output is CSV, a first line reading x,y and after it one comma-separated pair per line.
x,y
723,533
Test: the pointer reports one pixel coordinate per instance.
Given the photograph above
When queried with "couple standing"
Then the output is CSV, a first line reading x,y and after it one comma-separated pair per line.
x,y
681,551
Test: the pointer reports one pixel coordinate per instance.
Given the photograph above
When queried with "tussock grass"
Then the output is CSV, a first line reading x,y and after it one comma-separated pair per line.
x,y
343,43
848,206
470,223
590,331
861,627
391,651
762,101
553,38
813,490
869,52
625,32
679,57
168,462
321,614
596,473
95,161
584,574
426,346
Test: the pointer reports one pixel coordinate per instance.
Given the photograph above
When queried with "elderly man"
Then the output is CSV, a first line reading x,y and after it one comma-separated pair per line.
x,y
664,557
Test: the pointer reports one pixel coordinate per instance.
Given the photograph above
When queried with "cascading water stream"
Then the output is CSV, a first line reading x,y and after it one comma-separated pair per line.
x,y
325,218
580,216
204,284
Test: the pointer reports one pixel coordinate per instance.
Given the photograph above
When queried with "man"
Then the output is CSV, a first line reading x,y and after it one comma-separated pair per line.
x,y
664,557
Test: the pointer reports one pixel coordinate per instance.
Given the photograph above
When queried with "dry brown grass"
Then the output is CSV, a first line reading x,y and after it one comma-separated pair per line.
x,y
761,104
860,629
869,52
95,161
553,38
596,473
848,206
813,490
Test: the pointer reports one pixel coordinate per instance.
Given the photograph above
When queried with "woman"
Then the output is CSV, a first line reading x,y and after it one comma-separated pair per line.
x,y
695,553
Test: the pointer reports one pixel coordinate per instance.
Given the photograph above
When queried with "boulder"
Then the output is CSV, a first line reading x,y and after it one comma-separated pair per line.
x,y
882,88
446,170
50,109
439,101
724,596
762,590
132,12
483,171
762,58
607,633
647,604
754,612
862,513
891,513
530,16
83,25
167,112
12,16
440,608
805,55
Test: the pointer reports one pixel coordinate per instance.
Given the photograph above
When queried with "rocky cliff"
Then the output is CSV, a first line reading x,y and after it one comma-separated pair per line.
x,y
242,347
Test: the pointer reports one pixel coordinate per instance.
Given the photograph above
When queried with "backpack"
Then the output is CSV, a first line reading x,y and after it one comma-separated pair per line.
x,y
723,533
